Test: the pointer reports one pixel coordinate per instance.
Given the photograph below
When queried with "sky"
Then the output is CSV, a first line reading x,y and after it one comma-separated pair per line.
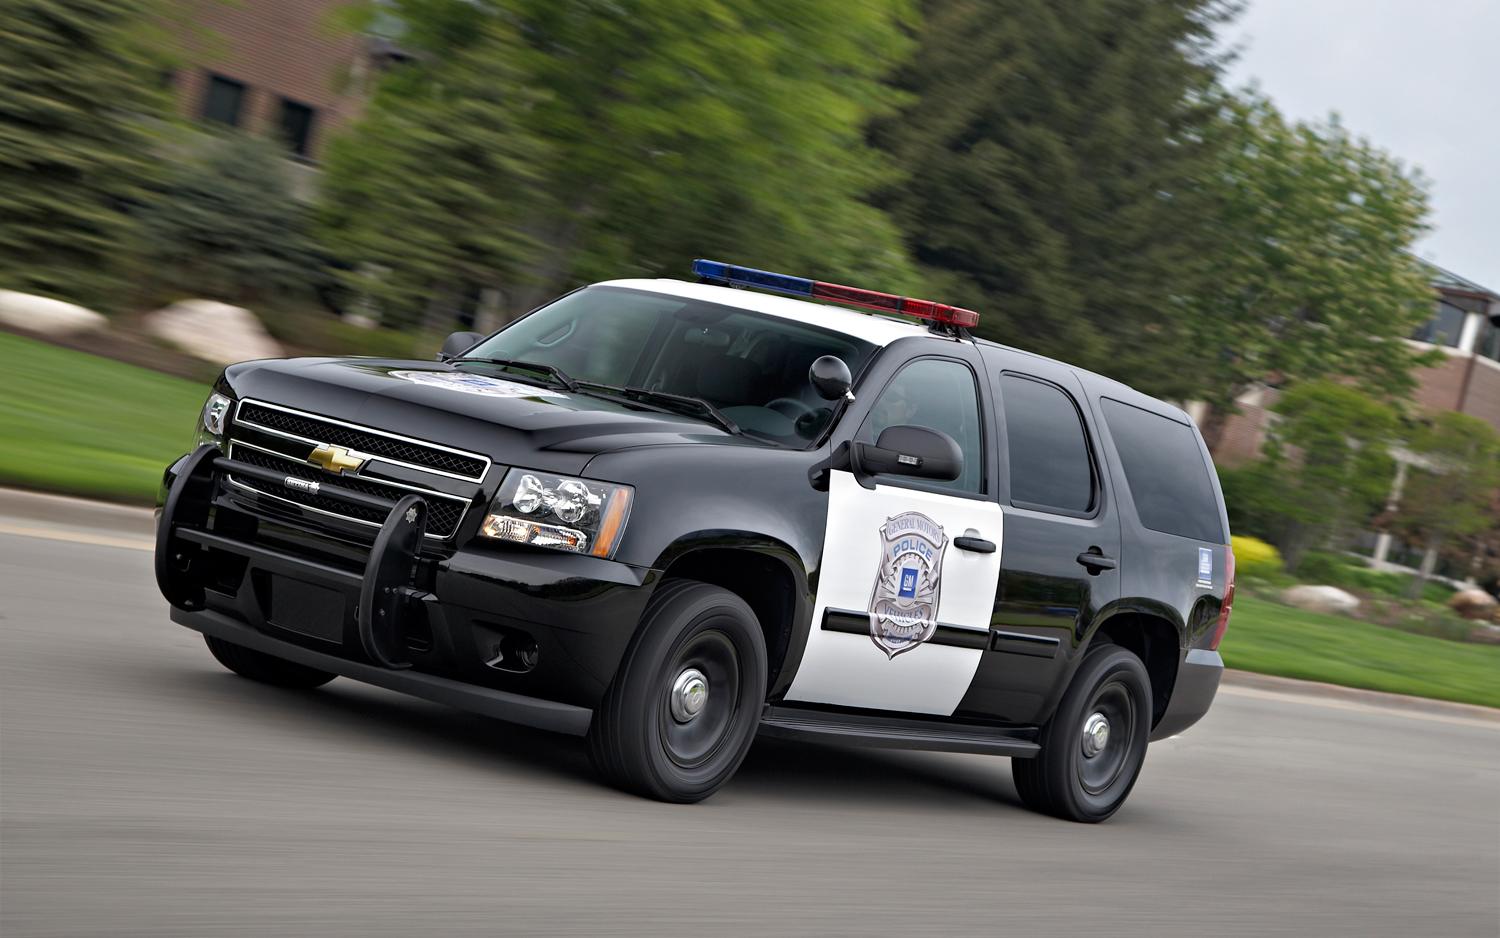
x,y
1419,78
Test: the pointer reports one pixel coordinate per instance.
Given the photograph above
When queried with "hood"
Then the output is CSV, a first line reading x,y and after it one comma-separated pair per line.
x,y
475,409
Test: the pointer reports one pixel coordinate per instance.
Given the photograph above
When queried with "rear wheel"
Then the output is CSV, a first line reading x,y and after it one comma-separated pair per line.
x,y
268,669
1095,744
683,708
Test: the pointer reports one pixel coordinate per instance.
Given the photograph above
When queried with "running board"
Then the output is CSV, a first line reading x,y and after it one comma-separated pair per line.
x,y
882,732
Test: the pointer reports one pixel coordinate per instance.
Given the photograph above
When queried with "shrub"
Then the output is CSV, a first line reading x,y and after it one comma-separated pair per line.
x,y
1254,557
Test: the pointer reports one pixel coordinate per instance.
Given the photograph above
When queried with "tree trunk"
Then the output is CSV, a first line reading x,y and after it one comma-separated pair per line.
x,y
1424,572
1298,538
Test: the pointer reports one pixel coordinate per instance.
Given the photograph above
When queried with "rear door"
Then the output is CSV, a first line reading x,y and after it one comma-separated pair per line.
x,y
908,573
1062,559
1174,533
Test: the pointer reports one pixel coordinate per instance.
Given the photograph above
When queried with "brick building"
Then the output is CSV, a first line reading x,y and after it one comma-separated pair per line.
x,y
277,67
1465,326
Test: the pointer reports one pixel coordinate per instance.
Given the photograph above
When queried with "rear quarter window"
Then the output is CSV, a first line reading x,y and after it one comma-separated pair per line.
x,y
1166,472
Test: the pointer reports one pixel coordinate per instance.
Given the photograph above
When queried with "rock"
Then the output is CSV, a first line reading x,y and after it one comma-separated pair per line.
x,y
48,316
1476,605
214,331
1329,599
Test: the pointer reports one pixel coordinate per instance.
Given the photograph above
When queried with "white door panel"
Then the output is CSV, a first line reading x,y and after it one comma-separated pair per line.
x,y
854,670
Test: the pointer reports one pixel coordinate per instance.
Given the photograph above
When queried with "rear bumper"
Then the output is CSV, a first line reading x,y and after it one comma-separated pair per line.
x,y
1197,683
529,711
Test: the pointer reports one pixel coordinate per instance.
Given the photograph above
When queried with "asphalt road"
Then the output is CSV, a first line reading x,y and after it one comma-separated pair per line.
x,y
146,791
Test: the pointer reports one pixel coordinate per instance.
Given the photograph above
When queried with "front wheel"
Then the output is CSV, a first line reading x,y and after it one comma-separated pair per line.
x,y
683,708
1095,744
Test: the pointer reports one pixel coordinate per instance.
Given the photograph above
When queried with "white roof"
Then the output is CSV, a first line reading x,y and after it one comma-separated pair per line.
x,y
871,328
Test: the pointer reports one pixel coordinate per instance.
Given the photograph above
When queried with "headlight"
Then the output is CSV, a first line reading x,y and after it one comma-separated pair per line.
x,y
578,515
216,414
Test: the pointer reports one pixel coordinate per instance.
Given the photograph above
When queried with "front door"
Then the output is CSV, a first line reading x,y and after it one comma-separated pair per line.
x,y
907,581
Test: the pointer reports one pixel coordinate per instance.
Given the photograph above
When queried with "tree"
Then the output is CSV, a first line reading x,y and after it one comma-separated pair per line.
x,y
1310,274
1054,157
436,183
224,223
73,89
668,129
1327,463
1454,495
722,129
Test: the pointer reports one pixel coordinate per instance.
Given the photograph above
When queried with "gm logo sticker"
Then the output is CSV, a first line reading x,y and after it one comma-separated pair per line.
x,y
908,583
1206,567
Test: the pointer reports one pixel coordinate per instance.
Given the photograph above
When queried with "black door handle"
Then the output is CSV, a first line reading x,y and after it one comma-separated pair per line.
x,y
1096,562
977,544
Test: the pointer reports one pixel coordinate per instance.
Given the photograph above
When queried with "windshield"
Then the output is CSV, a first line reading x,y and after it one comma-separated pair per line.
x,y
752,367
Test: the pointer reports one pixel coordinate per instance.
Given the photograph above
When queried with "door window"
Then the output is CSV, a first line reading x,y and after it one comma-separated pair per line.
x,y
939,394
1050,468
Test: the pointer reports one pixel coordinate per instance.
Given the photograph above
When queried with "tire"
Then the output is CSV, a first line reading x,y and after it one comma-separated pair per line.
x,y
1065,779
268,669
637,741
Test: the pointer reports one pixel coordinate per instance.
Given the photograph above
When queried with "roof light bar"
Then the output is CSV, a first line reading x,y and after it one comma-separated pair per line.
x,y
869,299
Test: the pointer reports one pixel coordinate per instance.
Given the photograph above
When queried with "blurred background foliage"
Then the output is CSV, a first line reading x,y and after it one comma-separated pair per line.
x,y
1074,170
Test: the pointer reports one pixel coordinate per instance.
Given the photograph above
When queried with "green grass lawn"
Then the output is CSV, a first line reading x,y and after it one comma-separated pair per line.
x,y
86,425
1274,639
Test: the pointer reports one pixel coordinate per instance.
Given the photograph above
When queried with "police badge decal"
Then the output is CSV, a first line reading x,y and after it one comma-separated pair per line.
x,y
904,603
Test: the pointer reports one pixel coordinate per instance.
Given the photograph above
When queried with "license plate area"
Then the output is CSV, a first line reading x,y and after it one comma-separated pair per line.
x,y
306,608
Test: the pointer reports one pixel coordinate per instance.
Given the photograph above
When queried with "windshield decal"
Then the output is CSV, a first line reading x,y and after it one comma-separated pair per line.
x,y
475,384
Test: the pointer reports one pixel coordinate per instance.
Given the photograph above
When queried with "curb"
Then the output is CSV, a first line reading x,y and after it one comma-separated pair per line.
x,y
77,512
1293,687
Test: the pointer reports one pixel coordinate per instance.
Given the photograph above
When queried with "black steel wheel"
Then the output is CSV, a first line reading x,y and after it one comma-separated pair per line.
x,y
268,669
1095,744
683,708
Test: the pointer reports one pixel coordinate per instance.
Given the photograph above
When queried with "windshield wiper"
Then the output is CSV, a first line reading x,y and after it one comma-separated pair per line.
x,y
560,376
676,402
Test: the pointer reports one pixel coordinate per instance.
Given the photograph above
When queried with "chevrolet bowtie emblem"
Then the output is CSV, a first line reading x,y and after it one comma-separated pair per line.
x,y
335,458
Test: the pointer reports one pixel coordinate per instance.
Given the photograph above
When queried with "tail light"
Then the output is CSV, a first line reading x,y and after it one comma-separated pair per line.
x,y
1224,610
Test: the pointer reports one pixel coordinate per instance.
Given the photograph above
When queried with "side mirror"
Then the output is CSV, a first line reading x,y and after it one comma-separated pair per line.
x,y
830,378
911,451
458,343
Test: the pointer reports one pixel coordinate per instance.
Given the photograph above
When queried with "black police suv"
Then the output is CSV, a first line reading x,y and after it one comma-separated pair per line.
x,y
668,516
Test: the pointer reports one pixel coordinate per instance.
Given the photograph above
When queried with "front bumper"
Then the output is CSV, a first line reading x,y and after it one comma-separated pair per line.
x,y
519,633
529,711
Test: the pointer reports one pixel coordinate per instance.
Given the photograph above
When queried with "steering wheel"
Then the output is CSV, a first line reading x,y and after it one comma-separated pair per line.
x,y
801,409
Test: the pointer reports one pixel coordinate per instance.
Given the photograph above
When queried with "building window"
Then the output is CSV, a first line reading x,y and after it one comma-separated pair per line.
x,y
296,125
224,101
1443,329
1489,340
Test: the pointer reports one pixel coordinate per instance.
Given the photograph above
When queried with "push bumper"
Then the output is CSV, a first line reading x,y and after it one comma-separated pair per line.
x,y
1197,682
373,644
528,711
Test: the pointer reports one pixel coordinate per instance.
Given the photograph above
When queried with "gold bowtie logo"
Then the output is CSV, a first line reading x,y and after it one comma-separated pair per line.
x,y
335,459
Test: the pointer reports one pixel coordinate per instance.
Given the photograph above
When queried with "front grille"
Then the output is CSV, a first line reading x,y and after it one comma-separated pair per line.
x,y
364,441
443,512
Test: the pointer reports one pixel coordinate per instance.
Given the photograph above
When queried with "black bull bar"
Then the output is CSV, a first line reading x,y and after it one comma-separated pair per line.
x,y
182,536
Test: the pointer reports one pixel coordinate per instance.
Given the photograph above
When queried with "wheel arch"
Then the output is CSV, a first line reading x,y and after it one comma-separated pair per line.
x,y
1157,642
763,572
